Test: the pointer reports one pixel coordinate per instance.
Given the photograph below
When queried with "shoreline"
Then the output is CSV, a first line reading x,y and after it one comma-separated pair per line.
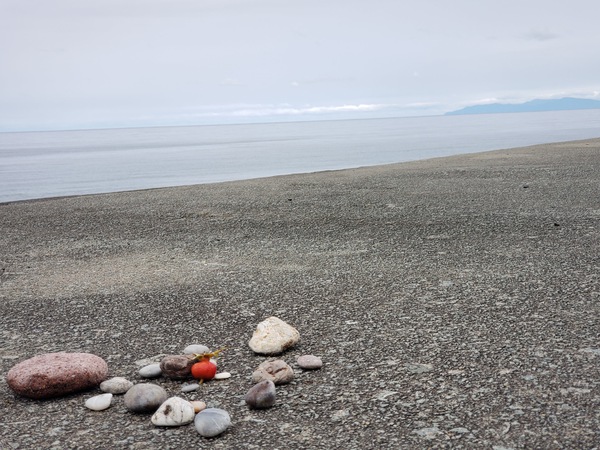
x,y
453,301
288,174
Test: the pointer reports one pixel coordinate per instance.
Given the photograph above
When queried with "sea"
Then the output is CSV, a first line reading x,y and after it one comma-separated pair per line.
x,y
63,163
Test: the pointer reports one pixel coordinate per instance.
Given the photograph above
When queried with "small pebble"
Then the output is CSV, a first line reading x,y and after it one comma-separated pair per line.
x,y
212,422
99,402
173,412
116,385
198,405
309,362
196,348
222,376
261,395
189,387
150,371
145,398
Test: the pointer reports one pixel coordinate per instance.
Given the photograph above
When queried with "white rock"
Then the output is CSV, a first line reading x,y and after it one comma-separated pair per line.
x,y
273,336
150,371
222,376
174,412
196,348
99,402
116,385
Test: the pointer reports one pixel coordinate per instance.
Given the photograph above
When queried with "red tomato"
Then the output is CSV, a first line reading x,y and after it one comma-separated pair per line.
x,y
204,370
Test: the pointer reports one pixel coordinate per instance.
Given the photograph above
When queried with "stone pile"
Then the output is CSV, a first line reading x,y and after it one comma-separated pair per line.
x,y
58,374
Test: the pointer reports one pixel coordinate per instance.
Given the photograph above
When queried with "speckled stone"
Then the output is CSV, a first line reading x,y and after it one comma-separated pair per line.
x,y
173,412
56,374
261,395
144,398
273,336
212,422
278,371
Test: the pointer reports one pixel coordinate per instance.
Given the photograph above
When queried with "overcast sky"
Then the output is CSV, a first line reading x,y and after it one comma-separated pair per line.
x,y
69,64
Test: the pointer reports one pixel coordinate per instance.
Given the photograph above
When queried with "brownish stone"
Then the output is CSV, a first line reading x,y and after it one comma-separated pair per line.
x,y
56,374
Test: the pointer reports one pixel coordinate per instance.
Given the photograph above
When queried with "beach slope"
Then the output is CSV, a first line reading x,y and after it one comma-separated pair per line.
x,y
454,302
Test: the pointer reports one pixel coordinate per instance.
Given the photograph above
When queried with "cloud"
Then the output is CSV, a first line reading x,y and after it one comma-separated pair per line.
x,y
291,111
231,82
540,35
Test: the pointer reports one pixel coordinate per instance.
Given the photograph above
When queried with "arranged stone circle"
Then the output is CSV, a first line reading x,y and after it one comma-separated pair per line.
x,y
65,373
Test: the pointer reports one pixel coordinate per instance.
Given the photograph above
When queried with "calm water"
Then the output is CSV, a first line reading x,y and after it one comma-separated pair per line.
x,y
49,164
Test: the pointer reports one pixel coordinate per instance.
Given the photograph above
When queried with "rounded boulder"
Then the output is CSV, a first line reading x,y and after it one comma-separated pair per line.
x,y
56,374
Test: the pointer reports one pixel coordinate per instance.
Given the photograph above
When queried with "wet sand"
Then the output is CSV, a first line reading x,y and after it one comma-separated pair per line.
x,y
454,302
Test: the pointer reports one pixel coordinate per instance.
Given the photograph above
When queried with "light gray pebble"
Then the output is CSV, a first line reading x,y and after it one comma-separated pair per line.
x,y
212,422
309,362
196,348
116,385
189,387
99,402
150,371
145,398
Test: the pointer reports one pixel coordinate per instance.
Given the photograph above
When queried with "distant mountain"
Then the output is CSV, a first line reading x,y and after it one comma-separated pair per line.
x,y
561,104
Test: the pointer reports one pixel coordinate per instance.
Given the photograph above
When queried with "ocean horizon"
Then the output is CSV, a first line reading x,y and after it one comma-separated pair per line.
x,y
63,163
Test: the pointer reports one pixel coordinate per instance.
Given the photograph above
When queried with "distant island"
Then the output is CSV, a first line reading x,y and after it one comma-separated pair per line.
x,y
561,104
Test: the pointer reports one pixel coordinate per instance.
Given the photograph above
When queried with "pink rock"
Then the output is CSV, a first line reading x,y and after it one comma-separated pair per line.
x,y
278,371
56,374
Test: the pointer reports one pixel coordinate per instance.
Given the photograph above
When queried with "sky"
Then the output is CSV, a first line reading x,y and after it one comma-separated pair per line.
x,y
73,64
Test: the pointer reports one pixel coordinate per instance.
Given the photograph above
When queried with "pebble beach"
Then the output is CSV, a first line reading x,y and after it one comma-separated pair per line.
x,y
453,302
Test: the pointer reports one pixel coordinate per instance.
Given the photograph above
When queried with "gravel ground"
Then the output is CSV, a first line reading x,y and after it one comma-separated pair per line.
x,y
455,303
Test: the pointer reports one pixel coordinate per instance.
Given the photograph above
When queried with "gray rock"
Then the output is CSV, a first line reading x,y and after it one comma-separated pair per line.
x,y
150,371
145,398
309,362
278,371
196,348
261,395
56,374
189,387
116,385
273,336
212,422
